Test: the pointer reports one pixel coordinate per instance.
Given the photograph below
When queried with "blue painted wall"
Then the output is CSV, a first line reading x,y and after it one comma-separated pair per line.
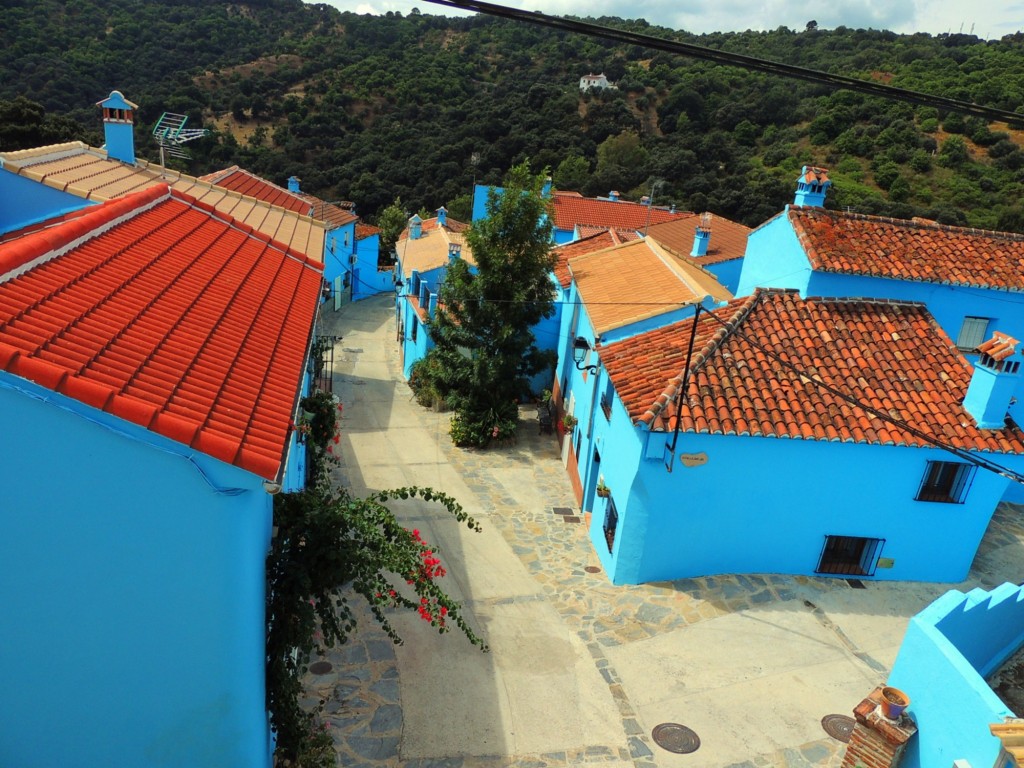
x,y
727,273
946,653
737,514
137,593
24,202
774,259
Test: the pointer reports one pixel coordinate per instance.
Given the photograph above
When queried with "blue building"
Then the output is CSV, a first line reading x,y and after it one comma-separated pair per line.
x,y
715,243
614,293
64,179
950,651
969,279
148,419
424,250
818,436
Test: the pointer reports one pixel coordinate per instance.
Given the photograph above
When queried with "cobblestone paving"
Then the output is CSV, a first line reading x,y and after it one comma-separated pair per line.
x,y
362,692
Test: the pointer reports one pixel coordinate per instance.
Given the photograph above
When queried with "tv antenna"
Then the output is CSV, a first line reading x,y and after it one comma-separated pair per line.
x,y
170,133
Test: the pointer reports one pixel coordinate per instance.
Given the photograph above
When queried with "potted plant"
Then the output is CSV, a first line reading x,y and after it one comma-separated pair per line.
x,y
568,421
894,701
603,490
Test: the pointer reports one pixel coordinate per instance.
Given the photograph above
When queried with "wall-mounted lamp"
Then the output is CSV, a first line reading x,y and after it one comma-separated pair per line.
x,y
580,347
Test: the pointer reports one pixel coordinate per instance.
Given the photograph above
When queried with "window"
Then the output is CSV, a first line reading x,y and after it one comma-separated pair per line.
x,y
606,399
849,555
611,522
415,328
946,481
972,333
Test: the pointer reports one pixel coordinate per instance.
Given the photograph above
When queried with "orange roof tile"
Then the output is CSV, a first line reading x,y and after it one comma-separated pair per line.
x,y
857,244
85,172
815,175
428,225
637,280
364,231
571,210
430,250
329,213
605,238
249,184
728,239
999,347
144,307
890,355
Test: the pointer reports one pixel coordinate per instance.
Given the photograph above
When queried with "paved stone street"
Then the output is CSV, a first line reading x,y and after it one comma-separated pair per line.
x,y
580,671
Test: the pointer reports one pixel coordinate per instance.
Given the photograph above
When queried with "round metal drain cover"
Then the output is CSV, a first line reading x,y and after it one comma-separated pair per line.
x,y
592,569
321,667
838,726
675,738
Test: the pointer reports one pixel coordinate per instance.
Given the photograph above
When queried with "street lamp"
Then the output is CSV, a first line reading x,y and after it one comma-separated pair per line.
x,y
580,347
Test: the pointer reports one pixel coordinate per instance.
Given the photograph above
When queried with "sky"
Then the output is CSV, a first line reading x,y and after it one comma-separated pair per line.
x,y
988,19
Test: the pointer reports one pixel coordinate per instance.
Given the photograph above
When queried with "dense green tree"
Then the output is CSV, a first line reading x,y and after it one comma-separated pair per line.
x,y
391,222
485,349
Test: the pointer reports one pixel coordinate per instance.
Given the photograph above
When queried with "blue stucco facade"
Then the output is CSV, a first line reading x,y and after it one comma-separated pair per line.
x,y
776,259
948,651
354,261
133,569
35,202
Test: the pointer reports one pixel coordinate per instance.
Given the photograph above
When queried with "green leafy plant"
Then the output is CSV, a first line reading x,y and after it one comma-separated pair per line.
x,y
331,547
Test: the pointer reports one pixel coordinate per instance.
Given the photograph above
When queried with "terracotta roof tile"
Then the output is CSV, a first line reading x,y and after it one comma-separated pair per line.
x,y
857,244
889,355
249,184
604,238
81,170
637,280
364,231
999,347
430,250
143,307
728,239
571,210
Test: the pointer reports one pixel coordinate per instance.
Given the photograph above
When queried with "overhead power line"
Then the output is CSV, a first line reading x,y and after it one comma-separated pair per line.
x,y
736,60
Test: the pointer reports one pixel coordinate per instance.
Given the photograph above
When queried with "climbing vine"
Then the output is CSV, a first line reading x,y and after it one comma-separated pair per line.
x,y
329,547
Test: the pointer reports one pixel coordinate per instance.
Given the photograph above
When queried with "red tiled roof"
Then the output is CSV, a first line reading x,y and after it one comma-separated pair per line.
x,y
728,239
889,355
428,225
856,244
562,253
146,307
999,347
364,231
571,210
245,183
329,213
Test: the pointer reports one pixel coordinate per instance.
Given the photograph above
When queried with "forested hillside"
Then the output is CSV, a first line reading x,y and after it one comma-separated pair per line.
x,y
419,106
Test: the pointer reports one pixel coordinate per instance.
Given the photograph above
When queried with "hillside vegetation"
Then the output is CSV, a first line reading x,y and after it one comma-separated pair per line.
x,y
419,106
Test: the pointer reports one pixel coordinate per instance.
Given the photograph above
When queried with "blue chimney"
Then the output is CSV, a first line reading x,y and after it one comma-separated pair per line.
x,y
432,306
119,127
454,251
442,217
546,189
994,382
613,195
811,187
293,183
702,236
415,227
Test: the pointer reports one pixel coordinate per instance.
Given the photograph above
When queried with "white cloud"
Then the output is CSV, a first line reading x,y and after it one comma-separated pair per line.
x,y
991,19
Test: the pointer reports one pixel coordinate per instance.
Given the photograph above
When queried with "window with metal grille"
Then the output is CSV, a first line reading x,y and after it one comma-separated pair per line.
x,y
415,329
849,555
972,333
946,481
611,522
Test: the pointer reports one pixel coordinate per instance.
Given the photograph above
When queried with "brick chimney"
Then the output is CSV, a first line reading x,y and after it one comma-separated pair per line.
x,y
877,741
415,227
812,186
702,236
119,127
442,217
994,382
293,183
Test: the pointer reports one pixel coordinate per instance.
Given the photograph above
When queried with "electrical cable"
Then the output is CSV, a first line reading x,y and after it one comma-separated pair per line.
x,y
736,60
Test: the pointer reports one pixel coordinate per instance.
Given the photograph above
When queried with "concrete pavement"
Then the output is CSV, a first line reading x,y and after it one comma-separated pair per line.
x,y
580,671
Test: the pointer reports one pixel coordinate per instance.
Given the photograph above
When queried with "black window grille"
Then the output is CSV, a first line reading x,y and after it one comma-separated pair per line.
x,y
322,363
415,329
611,522
946,481
849,555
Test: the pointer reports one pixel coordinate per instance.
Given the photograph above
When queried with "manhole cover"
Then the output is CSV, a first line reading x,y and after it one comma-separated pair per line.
x,y
592,569
675,738
838,726
321,667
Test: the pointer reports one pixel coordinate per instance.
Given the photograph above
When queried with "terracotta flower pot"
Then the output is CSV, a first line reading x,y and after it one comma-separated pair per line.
x,y
894,701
